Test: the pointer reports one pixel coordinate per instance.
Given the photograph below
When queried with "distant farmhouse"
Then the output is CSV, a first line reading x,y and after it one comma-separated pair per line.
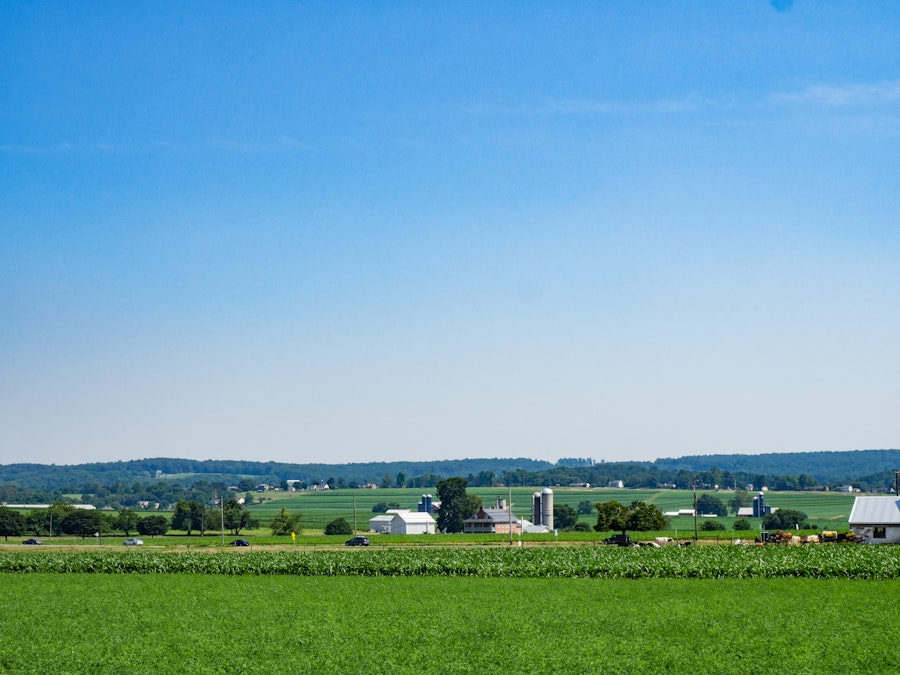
x,y
498,519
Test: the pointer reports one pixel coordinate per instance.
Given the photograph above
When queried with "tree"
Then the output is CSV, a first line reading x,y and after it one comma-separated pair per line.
x,y
43,521
387,481
285,523
564,516
153,525
181,517
711,526
585,507
741,498
643,517
785,519
126,521
12,523
708,504
81,522
237,517
191,515
637,517
742,524
338,526
611,515
456,504
401,479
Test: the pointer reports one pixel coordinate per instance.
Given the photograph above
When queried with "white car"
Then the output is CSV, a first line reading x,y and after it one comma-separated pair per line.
x,y
133,542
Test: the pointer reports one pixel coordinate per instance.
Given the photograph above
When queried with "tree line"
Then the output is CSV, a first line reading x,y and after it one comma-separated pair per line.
x,y
62,518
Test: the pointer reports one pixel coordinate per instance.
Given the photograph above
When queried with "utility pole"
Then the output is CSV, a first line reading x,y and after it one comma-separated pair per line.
x,y
509,485
695,509
354,512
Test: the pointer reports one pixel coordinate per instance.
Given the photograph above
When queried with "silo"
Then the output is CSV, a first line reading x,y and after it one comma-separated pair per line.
x,y
425,506
536,508
547,507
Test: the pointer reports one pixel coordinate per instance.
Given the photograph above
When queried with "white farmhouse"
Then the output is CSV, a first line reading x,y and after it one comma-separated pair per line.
x,y
876,520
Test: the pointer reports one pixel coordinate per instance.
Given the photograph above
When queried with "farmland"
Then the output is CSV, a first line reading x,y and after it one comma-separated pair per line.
x,y
825,509
476,609
114,623
697,562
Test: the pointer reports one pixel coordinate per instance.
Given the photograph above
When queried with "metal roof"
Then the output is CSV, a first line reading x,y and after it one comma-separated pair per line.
x,y
414,517
875,511
493,515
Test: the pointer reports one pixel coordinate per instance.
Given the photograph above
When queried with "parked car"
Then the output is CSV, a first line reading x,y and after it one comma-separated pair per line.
x,y
240,542
32,541
619,540
357,541
133,542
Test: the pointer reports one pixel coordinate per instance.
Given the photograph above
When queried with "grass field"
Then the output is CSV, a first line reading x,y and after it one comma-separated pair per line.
x,y
100,623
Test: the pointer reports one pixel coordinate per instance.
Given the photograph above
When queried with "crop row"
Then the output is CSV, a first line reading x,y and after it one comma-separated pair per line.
x,y
704,562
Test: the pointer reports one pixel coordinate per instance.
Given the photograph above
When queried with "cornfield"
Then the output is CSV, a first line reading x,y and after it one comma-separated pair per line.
x,y
701,562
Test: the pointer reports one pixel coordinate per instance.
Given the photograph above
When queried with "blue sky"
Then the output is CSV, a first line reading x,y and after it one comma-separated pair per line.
x,y
387,231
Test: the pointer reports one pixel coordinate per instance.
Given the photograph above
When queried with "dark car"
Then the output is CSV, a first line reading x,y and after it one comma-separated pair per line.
x,y
619,540
240,542
357,541
32,541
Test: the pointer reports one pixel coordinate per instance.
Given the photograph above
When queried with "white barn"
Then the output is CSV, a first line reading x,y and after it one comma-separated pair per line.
x,y
876,520
403,521
381,524
413,522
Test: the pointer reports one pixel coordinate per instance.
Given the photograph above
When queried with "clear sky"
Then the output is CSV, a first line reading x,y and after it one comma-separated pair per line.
x,y
369,231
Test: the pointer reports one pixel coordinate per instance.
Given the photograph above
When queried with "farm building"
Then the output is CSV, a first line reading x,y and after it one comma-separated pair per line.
x,y
381,524
876,520
412,522
496,520
403,521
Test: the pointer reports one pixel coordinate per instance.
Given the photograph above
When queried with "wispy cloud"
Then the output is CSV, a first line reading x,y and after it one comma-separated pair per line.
x,y
867,94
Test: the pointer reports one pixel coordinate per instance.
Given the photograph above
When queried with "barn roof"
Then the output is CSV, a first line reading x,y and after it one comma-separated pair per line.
x,y
875,511
493,515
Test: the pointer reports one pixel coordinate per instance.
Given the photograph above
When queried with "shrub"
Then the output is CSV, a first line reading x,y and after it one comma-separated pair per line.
x,y
711,526
742,524
338,526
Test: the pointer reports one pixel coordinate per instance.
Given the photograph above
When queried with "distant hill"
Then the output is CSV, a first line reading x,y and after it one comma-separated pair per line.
x,y
825,467
55,476
869,467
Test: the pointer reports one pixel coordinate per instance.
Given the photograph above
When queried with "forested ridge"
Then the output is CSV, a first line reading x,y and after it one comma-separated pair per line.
x,y
868,469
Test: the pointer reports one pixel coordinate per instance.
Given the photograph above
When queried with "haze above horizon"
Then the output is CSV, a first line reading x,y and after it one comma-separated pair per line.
x,y
317,232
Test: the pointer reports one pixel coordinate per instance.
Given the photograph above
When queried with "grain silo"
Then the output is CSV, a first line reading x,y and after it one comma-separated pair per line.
x,y
542,508
547,507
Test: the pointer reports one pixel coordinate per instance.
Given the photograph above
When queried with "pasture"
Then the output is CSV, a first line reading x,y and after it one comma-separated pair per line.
x,y
125,623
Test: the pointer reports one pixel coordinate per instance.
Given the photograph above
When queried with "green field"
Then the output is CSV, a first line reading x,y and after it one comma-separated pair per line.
x,y
101,623
826,509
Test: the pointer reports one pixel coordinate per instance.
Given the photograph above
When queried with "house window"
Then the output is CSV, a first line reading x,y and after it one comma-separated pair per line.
x,y
879,532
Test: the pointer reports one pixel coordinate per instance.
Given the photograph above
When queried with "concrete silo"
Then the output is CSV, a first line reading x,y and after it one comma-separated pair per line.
x,y
547,507
542,508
